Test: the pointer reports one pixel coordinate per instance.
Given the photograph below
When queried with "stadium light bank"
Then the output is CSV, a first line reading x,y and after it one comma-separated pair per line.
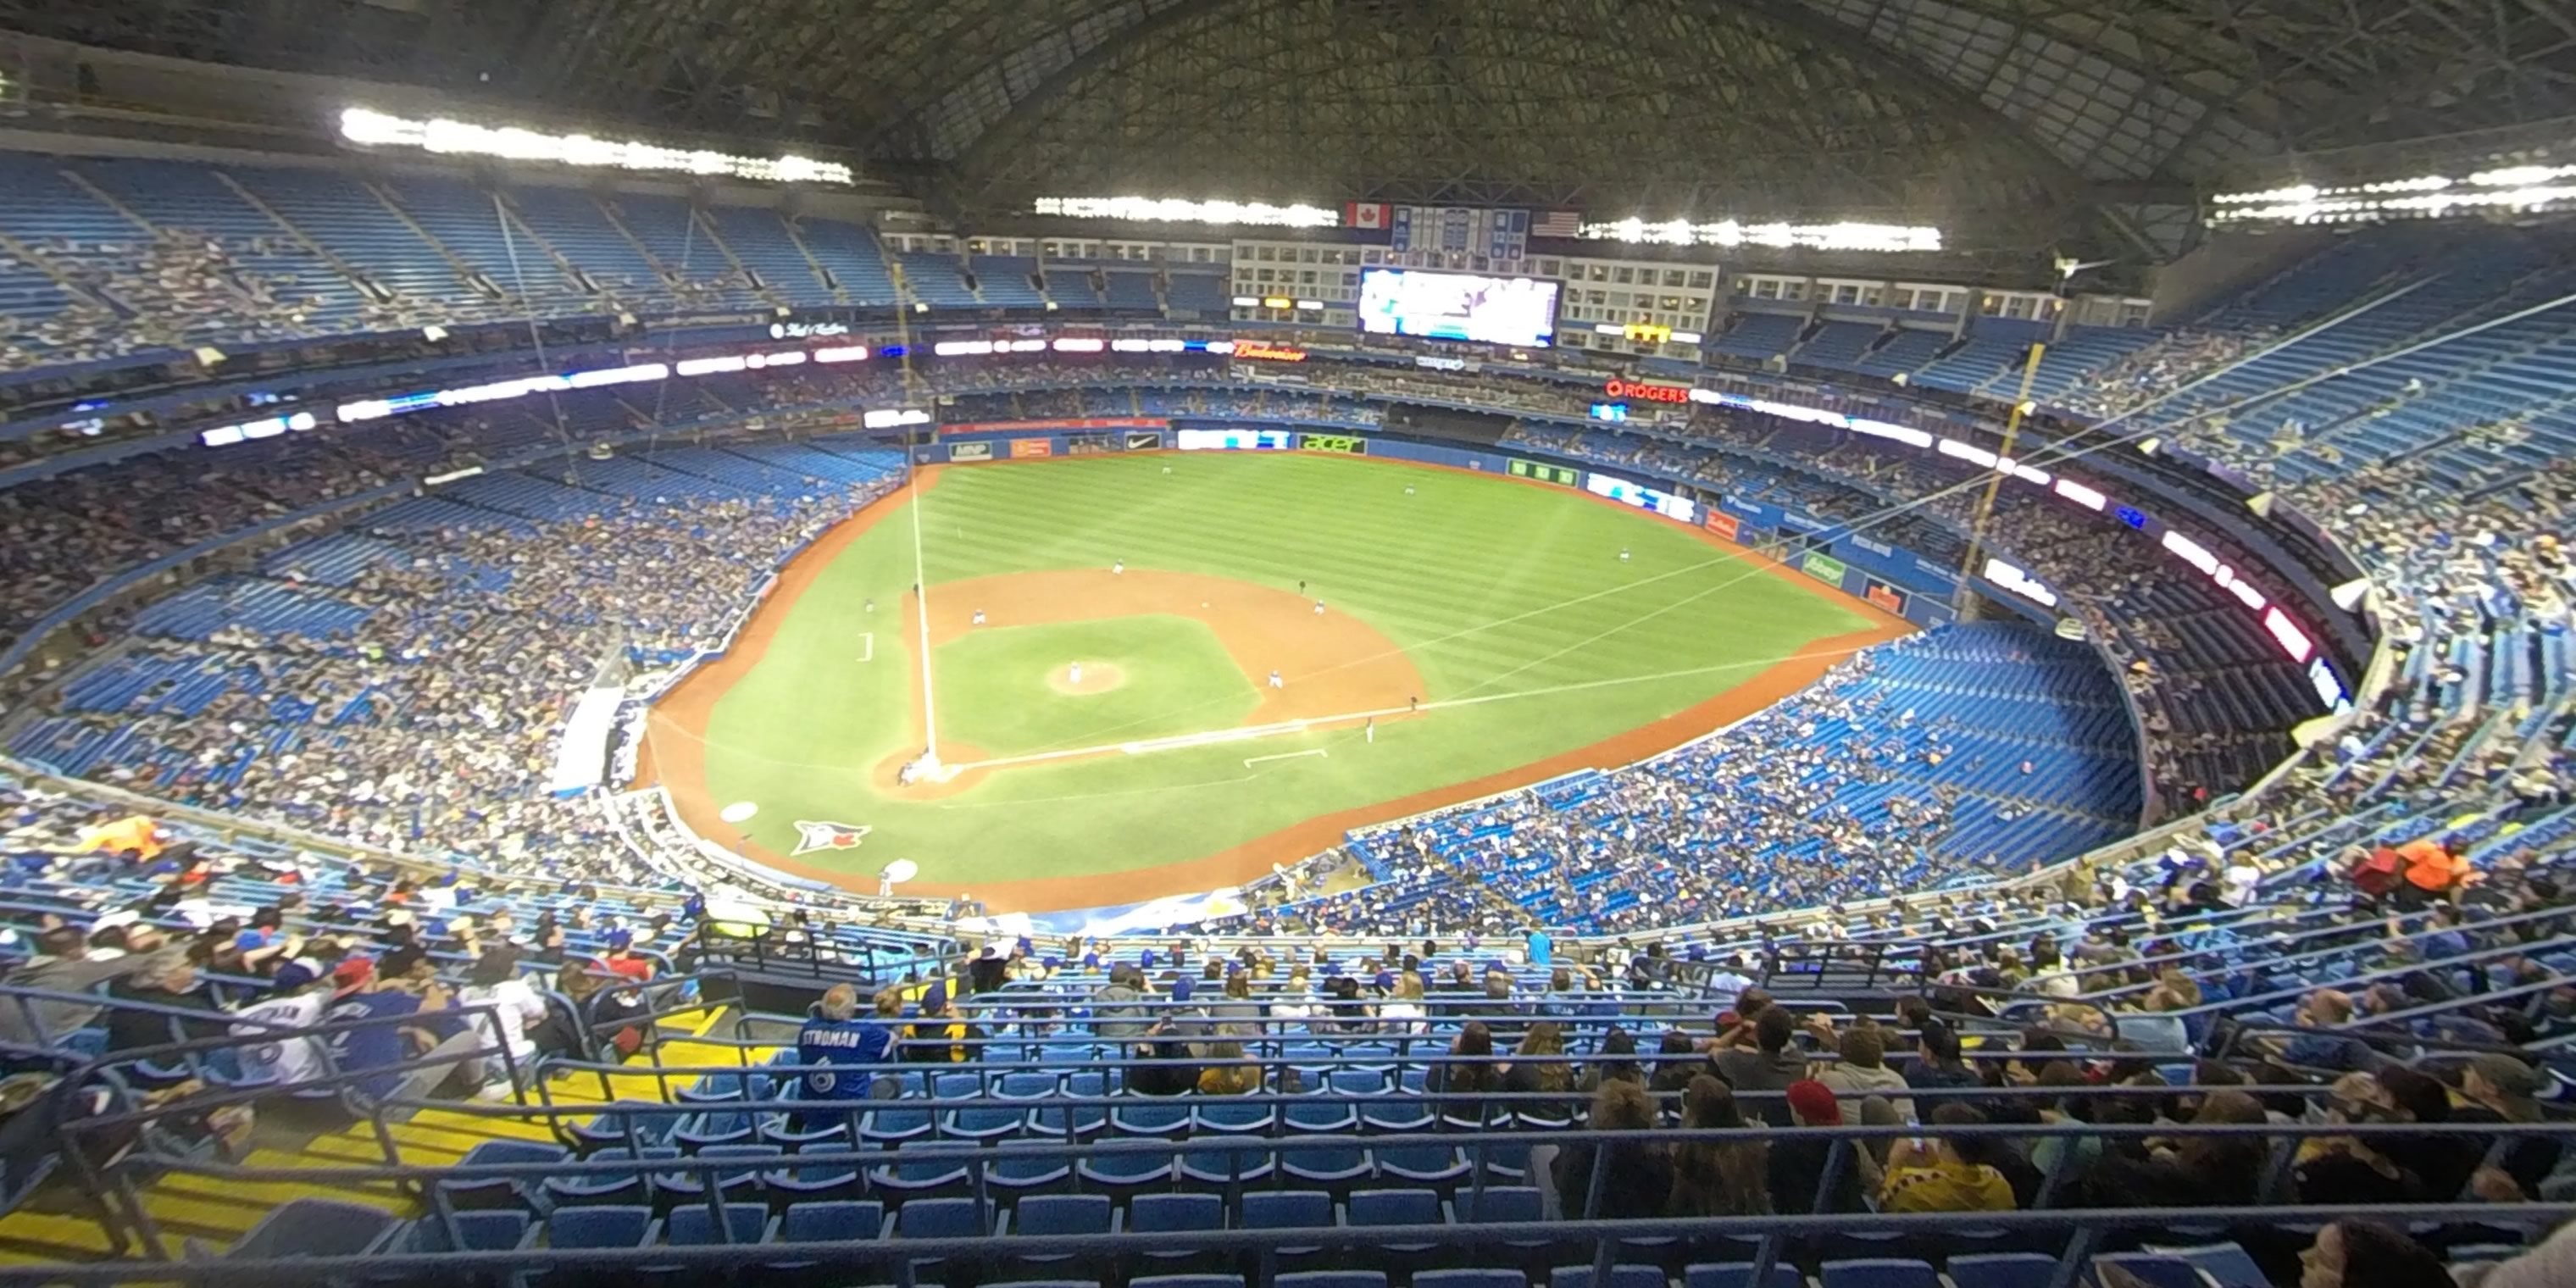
x,y
1892,238
2519,188
368,128
1180,211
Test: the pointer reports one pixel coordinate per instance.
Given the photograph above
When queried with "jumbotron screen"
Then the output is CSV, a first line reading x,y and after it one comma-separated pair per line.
x,y
1518,311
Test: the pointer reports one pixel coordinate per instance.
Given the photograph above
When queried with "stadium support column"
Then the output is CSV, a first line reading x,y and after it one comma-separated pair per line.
x,y
1965,602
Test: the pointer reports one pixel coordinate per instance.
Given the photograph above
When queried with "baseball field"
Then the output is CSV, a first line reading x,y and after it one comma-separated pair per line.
x,y
1160,674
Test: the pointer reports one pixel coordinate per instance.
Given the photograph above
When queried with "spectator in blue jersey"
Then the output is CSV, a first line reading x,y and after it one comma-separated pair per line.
x,y
392,990
836,1035
1542,950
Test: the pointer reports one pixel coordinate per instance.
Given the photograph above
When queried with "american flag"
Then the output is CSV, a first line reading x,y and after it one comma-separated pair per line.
x,y
1557,223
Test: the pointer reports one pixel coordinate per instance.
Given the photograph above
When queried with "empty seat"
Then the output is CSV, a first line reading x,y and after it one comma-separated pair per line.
x,y
1171,1213
315,1228
1398,1207
1878,1272
1288,1210
500,1191
1735,1275
1620,1277
1334,1279
1055,1214
2002,1270
831,1222
2154,1269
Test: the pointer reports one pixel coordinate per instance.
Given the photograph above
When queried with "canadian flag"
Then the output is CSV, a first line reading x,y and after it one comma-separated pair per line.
x,y
1365,214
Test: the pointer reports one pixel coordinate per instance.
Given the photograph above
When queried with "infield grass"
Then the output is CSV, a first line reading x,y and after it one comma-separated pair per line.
x,y
1174,678
1499,591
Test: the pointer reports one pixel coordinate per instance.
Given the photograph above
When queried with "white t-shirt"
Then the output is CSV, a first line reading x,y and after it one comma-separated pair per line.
x,y
290,1060
2236,887
518,1007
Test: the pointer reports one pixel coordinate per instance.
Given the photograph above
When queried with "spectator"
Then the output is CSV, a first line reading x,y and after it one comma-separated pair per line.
x,y
1771,1066
514,1009
1468,1072
1862,1069
1507,1018
2195,1171
1937,1064
2444,1162
1928,1174
1171,1071
1228,1073
2355,1253
1118,1012
939,1035
1799,1159
1402,1016
835,1035
1634,1178
63,964
1539,1068
1238,1016
1680,1061
1718,1177
2499,1088
1616,1062
2323,1009
170,984
396,989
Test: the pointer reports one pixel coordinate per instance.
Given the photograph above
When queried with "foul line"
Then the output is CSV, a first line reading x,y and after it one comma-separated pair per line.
x,y
921,602
1286,755
1250,733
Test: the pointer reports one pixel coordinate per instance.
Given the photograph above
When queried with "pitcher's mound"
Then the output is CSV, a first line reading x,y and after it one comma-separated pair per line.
x,y
1097,677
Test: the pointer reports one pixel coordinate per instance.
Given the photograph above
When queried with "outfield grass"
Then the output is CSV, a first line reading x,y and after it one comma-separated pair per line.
x,y
1176,678
1495,589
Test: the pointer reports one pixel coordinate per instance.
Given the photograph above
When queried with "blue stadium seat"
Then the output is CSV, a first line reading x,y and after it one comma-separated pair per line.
x,y
1288,1210
1878,1272
826,1222
1736,1275
500,1192
1170,1213
2002,1270
1621,1276
1054,1214
2155,1270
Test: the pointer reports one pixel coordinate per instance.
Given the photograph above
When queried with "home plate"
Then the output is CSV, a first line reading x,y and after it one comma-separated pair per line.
x,y
738,812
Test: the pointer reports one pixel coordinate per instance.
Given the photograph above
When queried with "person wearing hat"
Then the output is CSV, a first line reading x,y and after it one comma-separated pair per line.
x,y
400,987
991,967
939,1035
2499,1088
621,957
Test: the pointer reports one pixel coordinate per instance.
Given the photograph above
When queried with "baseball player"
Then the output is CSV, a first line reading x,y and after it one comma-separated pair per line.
x,y
979,617
1276,682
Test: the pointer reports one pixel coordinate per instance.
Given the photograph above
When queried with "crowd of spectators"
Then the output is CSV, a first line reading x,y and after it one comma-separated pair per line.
x,y
2155,370
432,726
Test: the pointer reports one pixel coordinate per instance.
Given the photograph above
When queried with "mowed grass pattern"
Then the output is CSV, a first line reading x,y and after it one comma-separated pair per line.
x,y
1176,677
1495,588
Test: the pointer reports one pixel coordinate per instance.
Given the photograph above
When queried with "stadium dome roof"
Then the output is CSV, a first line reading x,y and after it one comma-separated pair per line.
x,y
1615,106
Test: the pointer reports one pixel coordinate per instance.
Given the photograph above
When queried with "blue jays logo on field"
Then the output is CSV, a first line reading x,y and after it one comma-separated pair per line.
x,y
825,836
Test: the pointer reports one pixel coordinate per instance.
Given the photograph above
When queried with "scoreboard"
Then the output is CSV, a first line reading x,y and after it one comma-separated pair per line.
x,y
1546,473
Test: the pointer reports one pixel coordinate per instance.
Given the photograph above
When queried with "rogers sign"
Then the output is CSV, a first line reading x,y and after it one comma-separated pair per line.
x,y
1647,393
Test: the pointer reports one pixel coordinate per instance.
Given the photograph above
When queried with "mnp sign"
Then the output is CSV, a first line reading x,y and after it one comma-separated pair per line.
x,y
1024,448
1824,568
970,451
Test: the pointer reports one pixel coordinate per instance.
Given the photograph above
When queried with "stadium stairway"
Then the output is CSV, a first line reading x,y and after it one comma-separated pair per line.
x,y
217,1212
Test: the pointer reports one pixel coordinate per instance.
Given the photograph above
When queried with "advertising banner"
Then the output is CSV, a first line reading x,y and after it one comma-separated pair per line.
x,y
1012,426
1089,444
1823,567
1024,448
1145,442
1724,525
970,451
1874,547
1885,596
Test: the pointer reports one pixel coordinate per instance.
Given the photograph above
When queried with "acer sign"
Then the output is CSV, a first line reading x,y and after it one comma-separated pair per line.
x,y
1647,393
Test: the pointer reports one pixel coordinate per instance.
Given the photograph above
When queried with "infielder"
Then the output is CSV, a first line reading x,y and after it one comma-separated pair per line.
x,y
1276,682
979,617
